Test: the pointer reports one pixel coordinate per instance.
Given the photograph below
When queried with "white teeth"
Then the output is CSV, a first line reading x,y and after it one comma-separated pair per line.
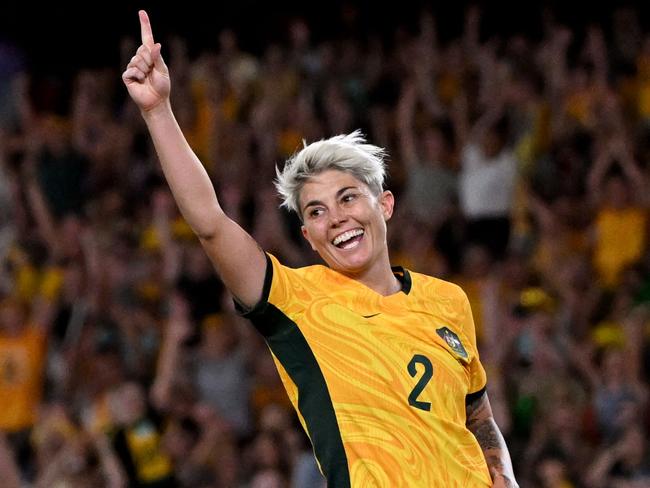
x,y
346,236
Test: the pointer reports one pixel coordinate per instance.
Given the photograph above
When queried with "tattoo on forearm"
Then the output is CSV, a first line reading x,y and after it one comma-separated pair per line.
x,y
480,422
494,461
487,434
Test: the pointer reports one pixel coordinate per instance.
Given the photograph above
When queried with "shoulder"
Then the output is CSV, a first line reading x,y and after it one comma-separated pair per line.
x,y
284,285
314,272
441,297
425,284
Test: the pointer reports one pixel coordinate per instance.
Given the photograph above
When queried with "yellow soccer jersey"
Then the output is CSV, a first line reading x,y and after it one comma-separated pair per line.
x,y
379,382
22,360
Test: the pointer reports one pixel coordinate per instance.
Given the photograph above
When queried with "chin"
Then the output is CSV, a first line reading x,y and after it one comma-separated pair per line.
x,y
351,266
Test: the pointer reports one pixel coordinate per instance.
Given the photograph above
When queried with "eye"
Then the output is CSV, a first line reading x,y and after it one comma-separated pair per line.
x,y
316,212
348,197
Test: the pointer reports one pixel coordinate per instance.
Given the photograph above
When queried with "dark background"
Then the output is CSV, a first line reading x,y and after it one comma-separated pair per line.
x,y
62,37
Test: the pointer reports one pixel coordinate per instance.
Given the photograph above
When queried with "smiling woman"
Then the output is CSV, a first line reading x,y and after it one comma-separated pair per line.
x,y
380,363
345,223
347,228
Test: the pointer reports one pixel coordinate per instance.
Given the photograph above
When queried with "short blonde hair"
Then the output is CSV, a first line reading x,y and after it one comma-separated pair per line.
x,y
346,152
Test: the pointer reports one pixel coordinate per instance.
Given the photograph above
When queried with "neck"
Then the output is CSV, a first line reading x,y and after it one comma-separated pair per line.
x,y
380,279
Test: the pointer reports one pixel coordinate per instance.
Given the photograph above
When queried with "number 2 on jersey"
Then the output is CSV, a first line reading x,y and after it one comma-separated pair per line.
x,y
422,383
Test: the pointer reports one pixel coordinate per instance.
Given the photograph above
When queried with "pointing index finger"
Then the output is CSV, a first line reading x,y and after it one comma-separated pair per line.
x,y
145,29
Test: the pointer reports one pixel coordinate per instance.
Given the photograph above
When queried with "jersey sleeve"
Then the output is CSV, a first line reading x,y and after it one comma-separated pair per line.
x,y
478,377
281,291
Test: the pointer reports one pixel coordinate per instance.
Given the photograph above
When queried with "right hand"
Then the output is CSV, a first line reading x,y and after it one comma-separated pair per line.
x,y
146,76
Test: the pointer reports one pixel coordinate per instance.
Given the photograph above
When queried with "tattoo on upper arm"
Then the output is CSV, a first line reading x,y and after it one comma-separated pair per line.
x,y
474,409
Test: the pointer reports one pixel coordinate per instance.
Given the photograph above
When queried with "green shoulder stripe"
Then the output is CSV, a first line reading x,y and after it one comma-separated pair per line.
x,y
314,402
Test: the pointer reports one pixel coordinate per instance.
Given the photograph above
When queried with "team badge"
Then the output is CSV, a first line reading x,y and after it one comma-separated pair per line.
x,y
452,341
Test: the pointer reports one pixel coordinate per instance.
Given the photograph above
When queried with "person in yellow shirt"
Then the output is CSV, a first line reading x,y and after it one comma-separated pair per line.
x,y
23,348
22,356
137,440
380,363
621,201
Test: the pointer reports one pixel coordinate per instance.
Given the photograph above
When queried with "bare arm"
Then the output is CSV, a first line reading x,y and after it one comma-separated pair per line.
x,y
597,53
471,33
634,326
405,129
111,467
427,68
596,176
236,256
599,472
162,208
481,423
621,149
9,472
178,329
554,69
616,149
38,205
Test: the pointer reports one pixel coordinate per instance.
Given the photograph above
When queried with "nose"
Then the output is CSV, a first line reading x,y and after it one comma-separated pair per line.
x,y
337,217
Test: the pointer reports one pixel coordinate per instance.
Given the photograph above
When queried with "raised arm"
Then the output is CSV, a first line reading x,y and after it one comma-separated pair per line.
x,y
617,149
45,222
621,149
405,129
177,330
236,256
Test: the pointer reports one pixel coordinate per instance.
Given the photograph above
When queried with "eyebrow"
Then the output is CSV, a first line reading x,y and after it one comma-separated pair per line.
x,y
313,203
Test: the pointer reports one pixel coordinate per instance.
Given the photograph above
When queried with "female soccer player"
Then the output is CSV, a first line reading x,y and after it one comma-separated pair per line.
x,y
380,363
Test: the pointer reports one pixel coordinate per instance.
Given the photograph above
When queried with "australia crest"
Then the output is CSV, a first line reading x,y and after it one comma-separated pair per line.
x,y
452,341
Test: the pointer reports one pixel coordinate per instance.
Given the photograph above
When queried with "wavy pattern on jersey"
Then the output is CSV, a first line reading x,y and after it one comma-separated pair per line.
x,y
403,450
371,404
364,363
312,400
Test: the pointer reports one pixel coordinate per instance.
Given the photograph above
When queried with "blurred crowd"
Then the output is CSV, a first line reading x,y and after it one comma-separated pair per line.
x,y
520,167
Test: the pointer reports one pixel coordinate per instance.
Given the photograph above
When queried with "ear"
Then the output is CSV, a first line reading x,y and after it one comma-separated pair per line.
x,y
387,203
305,234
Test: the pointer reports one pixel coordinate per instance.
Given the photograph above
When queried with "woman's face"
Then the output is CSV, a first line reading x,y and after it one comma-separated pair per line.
x,y
344,222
